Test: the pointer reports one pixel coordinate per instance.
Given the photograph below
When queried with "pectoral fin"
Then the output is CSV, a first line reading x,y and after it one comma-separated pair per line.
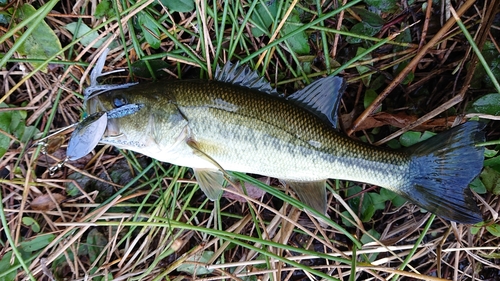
x,y
197,151
210,181
312,193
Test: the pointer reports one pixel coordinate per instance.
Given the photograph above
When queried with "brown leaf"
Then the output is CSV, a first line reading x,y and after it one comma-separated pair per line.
x,y
45,203
401,120
252,190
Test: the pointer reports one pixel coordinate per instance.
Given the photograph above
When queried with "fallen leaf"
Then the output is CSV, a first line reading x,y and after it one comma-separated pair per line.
x,y
252,190
45,203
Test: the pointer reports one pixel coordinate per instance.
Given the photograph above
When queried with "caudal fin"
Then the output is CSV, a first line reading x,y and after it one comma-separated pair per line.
x,y
442,168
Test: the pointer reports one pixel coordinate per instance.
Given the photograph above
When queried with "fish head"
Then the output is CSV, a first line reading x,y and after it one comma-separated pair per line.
x,y
141,119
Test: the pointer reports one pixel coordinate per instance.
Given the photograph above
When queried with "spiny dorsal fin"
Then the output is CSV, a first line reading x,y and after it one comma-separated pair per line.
x,y
244,76
322,97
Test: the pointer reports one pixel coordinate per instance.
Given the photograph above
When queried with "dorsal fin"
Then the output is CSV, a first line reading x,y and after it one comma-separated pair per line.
x,y
244,76
322,97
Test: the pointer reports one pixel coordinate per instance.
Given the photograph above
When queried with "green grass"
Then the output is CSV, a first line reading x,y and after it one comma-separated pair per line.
x,y
155,223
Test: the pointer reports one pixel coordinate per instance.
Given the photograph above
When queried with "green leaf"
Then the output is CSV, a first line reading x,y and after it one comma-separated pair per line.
x,y
369,18
299,42
475,228
182,6
8,270
42,43
365,239
488,104
96,242
149,29
28,133
196,269
37,243
5,121
362,68
386,194
29,221
362,29
370,96
4,17
140,69
263,16
478,186
491,180
387,6
104,9
409,77
410,138
490,152
80,29
494,229
394,144
345,221
495,161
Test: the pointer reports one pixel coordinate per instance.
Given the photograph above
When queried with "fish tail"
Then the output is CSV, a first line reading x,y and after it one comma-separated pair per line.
x,y
442,168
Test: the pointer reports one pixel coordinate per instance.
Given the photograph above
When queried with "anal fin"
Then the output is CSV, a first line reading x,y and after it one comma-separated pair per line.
x,y
311,193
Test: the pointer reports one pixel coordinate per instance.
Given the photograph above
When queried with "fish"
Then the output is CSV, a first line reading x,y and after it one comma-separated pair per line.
x,y
238,122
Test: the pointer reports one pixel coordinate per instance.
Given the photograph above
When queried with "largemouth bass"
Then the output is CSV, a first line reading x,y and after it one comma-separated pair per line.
x,y
237,122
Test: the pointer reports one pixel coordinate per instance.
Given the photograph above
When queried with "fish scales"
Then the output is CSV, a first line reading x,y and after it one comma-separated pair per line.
x,y
263,135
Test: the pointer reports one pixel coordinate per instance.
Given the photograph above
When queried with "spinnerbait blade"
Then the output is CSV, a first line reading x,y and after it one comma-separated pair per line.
x,y
86,135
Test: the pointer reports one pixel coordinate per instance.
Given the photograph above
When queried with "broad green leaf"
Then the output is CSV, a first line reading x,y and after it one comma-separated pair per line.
x,y
409,77
378,201
410,138
365,239
368,17
140,69
394,144
387,6
299,42
5,120
478,186
345,221
182,6
36,243
488,104
361,29
494,229
42,43
362,68
427,135
490,152
480,79
197,269
4,17
96,242
29,221
28,133
8,271
367,211
104,9
263,17
80,29
491,180
495,161
149,30
475,228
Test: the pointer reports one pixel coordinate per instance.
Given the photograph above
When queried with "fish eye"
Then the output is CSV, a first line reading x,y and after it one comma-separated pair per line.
x,y
119,102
